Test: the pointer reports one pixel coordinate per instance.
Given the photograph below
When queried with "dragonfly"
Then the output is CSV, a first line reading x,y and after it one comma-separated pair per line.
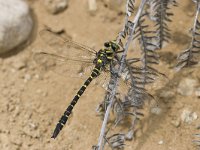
x,y
101,61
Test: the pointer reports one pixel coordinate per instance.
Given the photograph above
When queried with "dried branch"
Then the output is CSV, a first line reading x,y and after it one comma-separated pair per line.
x,y
187,57
161,15
122,62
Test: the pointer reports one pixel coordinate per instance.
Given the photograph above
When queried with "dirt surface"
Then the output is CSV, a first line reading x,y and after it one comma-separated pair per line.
x,y
32,101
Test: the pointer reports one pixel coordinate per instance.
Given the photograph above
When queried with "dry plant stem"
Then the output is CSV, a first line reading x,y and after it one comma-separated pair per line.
x,y
113,92
125,22
196,19
189,55
194,27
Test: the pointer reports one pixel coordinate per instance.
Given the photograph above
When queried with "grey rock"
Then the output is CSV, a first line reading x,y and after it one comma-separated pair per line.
x,y
56,6
15,24
186,86
188,116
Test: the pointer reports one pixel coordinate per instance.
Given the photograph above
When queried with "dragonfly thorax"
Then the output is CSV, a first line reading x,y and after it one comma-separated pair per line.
x,y
105,56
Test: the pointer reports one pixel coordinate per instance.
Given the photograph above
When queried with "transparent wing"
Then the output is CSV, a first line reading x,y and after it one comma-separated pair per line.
x,y
64,55
63,65
105,81
59,43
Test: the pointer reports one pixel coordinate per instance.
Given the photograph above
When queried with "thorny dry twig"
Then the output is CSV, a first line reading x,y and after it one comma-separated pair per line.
x,y
187,57
122,62
150,41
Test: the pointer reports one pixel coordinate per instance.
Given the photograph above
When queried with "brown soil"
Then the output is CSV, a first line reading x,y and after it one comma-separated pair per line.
x,y
32,101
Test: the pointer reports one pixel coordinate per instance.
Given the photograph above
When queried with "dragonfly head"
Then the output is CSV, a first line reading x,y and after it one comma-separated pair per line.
x,y
112,45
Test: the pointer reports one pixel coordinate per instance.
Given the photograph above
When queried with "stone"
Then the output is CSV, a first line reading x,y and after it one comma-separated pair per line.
x,y
176,123
15,24
188,116
161,142
92,4
156,110
167,94
27,77
55,6
186,86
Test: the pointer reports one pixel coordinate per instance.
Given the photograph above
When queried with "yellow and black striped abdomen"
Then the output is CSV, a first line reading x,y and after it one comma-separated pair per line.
x,y
65,116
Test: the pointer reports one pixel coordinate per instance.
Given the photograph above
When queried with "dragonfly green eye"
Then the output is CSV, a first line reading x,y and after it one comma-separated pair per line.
x,y
107,44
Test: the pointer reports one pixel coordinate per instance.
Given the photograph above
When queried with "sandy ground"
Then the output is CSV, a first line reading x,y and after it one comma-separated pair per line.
x,y
32,101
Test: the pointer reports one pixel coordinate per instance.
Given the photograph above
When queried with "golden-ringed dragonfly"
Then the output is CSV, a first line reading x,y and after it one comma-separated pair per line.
x,y
70,52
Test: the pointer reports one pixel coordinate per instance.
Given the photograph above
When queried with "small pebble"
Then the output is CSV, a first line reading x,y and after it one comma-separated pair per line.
x,y
56,6
92,5
167,94
160,142
33,126
27,77
176,123
186,86
188,116
156,110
